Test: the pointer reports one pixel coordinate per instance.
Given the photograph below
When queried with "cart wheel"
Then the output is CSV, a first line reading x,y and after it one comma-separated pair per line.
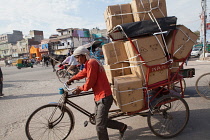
x,y
176,86
202,86
169,116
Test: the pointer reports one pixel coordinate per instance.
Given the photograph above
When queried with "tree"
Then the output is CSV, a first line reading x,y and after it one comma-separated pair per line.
x,y
197,33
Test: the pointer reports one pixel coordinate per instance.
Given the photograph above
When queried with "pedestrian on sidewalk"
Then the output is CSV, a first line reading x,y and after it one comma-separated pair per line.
x,y
1,83
97,80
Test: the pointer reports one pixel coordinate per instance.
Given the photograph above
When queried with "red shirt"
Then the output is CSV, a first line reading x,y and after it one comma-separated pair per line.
x,y
96,79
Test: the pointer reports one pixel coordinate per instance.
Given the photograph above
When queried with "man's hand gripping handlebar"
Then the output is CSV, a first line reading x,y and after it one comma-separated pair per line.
x,y
76,90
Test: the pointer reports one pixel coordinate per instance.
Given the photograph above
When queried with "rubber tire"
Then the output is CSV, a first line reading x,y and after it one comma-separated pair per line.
x,y
62,80
169,118
205,84
28,123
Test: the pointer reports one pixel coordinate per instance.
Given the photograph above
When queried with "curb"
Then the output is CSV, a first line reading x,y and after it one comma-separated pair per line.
x,y
203,60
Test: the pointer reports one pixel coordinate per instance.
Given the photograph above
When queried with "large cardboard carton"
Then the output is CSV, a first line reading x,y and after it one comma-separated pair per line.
x,y
152,51
118,14
115,70
114,52
145,9
150,48
183,42
140,70
128,93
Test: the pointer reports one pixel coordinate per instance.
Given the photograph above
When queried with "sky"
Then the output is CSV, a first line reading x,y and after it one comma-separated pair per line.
x,y
49,15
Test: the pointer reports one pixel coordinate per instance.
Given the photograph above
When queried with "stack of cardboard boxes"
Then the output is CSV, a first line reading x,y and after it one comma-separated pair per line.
x,y
126,65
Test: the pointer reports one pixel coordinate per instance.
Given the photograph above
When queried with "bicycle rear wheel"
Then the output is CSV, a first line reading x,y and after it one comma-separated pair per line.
x,y
202,86
169,116
49,122
63,75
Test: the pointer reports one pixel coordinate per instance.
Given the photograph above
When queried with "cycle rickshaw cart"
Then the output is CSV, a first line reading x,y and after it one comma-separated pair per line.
x,y
167,112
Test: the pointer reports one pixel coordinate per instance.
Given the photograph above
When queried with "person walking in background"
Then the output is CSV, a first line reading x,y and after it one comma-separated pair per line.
x,y
1,83
53,62
46,59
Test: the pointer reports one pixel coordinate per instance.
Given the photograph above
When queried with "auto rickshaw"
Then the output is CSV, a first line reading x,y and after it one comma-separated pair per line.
x,y
24,63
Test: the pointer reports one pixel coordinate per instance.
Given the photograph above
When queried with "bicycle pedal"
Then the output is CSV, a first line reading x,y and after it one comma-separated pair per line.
x,y
85,123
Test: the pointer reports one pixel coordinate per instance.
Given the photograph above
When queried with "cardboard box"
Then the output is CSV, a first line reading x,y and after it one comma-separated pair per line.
x,y
113,95
152,51
128,93
183,43
140,71
145,9
175,67
114,52
118,14
115,70
150,48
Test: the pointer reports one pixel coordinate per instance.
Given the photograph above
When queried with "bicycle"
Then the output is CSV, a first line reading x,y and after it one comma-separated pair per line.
x,y
166,118
63,75
202,86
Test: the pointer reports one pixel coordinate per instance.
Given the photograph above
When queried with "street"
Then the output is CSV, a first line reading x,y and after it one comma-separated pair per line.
x,y
27,89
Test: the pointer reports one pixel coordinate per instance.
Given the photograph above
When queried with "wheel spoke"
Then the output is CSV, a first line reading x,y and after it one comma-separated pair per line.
x,y
170,116
39,127
203,86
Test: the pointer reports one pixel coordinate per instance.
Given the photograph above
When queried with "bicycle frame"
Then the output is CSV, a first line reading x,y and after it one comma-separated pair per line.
x,y
77,107
112,113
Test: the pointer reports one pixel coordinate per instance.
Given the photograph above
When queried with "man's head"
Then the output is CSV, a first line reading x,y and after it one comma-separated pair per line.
x,y
82,54
71,52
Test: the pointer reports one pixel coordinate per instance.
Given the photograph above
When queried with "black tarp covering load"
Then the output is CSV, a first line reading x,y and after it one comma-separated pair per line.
x,y
140,28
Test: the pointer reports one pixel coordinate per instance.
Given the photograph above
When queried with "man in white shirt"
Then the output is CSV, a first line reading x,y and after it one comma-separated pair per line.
x,y
72,64
66,61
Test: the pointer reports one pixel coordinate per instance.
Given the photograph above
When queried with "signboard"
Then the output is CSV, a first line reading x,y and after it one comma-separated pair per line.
x,y
15,55
207,26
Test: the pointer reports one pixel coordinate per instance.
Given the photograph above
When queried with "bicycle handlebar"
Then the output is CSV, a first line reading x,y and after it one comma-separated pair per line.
x,y
67,87
76,95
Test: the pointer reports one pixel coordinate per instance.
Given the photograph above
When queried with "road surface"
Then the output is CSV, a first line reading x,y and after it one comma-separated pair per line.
x,y
28,88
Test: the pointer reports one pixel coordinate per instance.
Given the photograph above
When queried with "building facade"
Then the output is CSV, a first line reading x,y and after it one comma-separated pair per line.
x,y
14,45
99,35
67,40
8,41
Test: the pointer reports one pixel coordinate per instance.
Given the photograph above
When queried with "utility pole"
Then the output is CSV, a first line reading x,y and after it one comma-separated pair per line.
x,y
203,4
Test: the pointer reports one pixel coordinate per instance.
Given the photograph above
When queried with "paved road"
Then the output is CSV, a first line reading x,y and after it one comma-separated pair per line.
x,y
27,89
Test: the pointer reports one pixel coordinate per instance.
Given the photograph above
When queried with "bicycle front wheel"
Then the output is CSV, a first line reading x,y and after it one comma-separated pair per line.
x,y
63,75
202,86
49,122
169,116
